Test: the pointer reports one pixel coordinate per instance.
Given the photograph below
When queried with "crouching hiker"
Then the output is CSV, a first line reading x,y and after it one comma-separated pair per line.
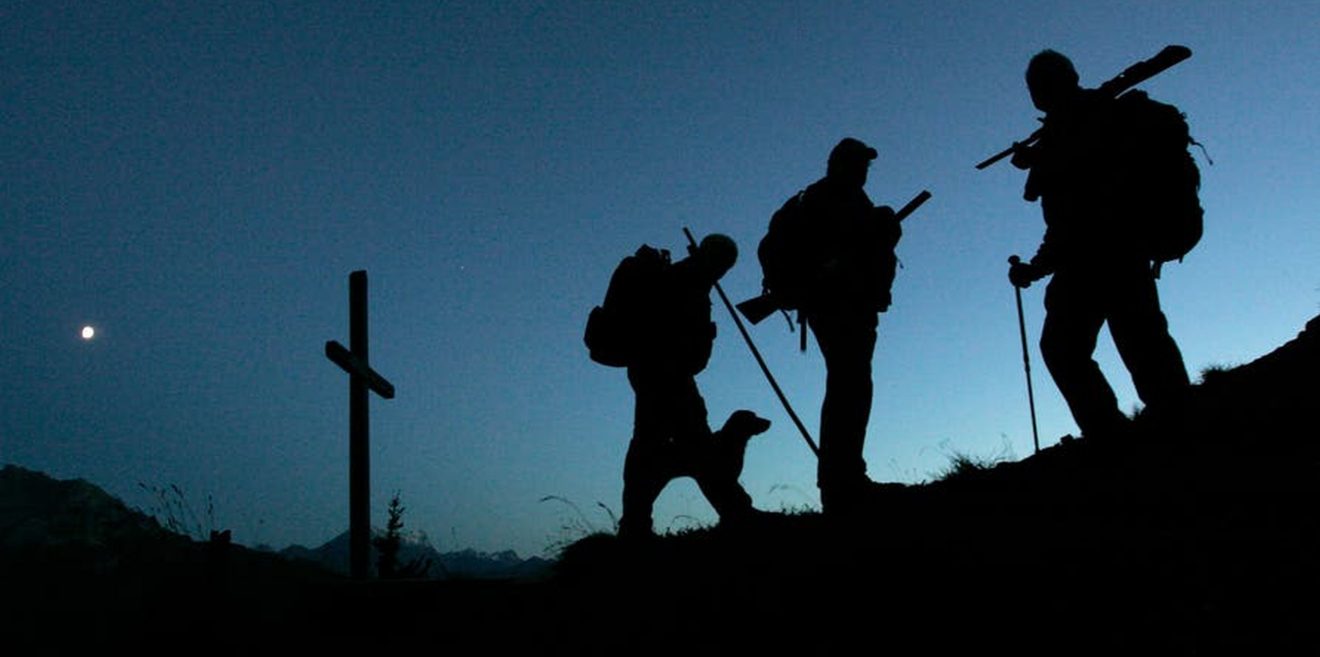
x,y
656,322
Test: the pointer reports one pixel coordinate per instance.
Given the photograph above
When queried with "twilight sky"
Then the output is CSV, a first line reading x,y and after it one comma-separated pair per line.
x,y
197,182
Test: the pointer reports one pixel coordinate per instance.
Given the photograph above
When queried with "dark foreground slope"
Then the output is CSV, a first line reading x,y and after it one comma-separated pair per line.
x,y
1195,534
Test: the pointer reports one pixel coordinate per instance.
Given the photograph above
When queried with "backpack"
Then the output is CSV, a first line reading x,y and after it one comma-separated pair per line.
x,y
785,272
1161,175
616,329
792,255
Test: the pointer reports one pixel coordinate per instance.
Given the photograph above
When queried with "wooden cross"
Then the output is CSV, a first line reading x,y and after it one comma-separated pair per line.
x,y
361,380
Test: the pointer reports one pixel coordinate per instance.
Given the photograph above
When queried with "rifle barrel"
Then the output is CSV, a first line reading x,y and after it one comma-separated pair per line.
x,y
1009,151
912,205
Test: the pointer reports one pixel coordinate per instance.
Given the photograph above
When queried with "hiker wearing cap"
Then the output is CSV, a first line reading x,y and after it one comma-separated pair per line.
x,y
1100,178
671,435
831,251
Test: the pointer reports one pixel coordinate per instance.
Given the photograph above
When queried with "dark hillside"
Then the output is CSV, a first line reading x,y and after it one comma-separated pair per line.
x,y
1193,534
81,568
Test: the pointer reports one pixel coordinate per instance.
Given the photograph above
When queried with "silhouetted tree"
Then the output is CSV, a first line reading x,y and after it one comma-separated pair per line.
x,y
388,545
387,564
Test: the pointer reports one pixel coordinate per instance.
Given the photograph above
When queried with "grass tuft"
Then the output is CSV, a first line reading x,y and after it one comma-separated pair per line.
x,y
962,466
577,526
173,512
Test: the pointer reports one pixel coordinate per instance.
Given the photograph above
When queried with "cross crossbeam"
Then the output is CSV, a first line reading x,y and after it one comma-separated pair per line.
x,y
354,366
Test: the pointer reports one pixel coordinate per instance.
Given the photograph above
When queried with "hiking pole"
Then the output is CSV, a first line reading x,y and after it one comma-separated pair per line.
x,y
1026,358
692,247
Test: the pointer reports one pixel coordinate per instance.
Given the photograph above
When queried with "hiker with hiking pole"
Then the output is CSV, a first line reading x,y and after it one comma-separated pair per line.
x,y
1117,188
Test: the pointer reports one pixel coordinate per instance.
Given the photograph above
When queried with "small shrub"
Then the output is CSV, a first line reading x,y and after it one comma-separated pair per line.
x,y
963,465
387,563
1210,373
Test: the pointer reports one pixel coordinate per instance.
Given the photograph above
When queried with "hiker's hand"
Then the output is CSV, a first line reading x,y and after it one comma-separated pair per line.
x,y
1023,274
887,228
1023,155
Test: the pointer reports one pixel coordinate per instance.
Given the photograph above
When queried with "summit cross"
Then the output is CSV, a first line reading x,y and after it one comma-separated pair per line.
x,y
362,380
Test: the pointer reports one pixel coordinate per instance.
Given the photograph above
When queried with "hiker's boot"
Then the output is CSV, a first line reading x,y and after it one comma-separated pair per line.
x,y
858,497
1166,416
1113,428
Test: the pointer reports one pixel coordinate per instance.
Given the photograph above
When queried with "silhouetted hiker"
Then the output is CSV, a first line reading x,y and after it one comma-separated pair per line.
x,y
830,254
656,321
1092,178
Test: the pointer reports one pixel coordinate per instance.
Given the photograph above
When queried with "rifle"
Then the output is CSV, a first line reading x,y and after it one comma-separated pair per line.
x,y
1130,77
760,307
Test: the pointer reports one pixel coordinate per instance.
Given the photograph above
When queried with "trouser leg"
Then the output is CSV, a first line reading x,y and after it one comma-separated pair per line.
x,y
645,474
669,426
1141,335
847,344
1074,314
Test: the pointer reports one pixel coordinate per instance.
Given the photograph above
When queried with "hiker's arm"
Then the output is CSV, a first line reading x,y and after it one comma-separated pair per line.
x,y
1043,263
1024,154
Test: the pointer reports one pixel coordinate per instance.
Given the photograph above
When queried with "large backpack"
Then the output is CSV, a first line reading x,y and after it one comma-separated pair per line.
x,y
617,329
785,270
792,255
1161,176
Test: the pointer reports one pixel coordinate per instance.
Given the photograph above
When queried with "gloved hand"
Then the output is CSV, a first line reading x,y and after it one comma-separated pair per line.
x,y
1024,155
1023,274
887,229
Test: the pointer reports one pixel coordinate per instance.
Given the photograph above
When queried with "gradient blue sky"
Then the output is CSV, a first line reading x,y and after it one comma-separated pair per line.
x,y
197,182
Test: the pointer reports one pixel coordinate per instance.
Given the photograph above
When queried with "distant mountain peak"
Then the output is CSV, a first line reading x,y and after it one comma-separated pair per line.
x,y
464,563
37,510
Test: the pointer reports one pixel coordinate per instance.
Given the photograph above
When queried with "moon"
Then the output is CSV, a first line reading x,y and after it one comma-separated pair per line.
x,y
88,332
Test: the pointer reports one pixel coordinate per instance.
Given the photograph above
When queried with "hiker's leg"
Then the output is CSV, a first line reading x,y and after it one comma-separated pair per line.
x,y
648,466
1074,314
1141,335
641,486
698,453
847,342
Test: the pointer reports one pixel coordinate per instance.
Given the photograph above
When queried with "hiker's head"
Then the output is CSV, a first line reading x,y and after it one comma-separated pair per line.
x,y
716,255
849,162
1051,79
